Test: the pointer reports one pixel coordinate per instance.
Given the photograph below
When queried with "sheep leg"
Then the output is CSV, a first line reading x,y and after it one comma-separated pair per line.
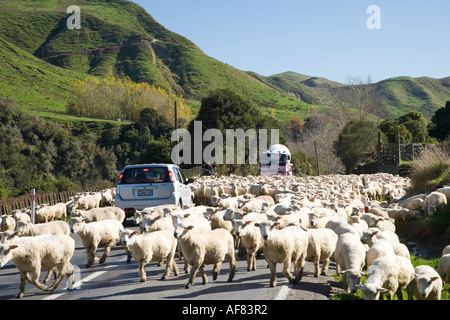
x,y
204,277
168,268
62,271
70,277
90,250
250,257
105,254
287,271
273,273
193,273
316,265
232,261
142,273
326,264
298,269
174,267
216,270
23,280
35,279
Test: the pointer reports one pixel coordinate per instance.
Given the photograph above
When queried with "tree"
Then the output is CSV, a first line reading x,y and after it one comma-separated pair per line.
x,y
157,124
412,127
356,143
224,109
158,151
439,127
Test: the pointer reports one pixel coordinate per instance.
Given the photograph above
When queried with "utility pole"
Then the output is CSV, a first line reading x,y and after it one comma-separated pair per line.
x,y
175,113
317,158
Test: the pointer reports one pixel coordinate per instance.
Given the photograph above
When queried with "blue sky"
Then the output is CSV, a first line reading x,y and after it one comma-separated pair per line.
x,y
324,38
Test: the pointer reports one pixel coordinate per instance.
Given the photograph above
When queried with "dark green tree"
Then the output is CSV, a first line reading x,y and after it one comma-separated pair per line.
x,y
439,127
356,143
412,127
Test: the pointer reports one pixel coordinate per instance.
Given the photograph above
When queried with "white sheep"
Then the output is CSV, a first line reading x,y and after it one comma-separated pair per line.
x,y
389,275
227,203
45,252
88,202
445,191
321,246
52,227
383,224
285,220
153,246
94,235
152,223
358,224
433,202
99,214
444,268
404,214
216,219
341,227
251,239
350,255
255,205
286,246
427,283
378,249
373,234
202,225
7,223
446,250
49,213
22,215
205,248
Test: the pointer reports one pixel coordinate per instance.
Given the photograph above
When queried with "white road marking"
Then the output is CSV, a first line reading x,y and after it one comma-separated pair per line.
x,y
77,285
284,291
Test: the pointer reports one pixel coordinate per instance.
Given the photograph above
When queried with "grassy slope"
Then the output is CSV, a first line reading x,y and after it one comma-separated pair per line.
x,y
399,95
109,44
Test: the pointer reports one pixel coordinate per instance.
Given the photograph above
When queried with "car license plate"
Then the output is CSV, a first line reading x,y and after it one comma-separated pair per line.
x,y
145,193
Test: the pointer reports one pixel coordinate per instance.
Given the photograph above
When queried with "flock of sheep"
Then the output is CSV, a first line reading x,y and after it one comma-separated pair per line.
x,y
285,219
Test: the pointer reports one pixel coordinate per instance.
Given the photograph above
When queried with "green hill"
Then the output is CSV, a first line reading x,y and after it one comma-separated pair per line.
x,y
398,95
119,38
40,57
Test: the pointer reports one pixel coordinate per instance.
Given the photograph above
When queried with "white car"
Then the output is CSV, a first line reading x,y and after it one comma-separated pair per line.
x,y
148,185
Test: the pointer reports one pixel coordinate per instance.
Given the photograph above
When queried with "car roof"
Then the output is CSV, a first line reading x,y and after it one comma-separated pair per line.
x,y
149,165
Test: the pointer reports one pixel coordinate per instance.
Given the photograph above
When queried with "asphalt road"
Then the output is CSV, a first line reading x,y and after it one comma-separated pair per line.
x,y
118,280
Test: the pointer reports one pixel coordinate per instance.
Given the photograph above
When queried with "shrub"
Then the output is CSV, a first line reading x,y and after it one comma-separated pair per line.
x,y
431,169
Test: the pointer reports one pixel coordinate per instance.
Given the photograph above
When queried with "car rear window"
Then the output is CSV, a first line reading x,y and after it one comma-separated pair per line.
x,y
145,175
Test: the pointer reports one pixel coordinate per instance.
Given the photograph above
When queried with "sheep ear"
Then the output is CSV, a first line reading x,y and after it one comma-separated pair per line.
x,y
13,246
157,218
187,215
381,289
257,225
190,227
248,222
434,279
375,233
134,233
365,275
276,224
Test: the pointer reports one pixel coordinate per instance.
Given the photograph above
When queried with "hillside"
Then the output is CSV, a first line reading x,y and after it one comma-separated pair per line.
x,y
398,95
40,57
119,38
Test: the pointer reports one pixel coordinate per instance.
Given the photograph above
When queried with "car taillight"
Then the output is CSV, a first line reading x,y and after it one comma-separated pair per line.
x,y
172,178
120,177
